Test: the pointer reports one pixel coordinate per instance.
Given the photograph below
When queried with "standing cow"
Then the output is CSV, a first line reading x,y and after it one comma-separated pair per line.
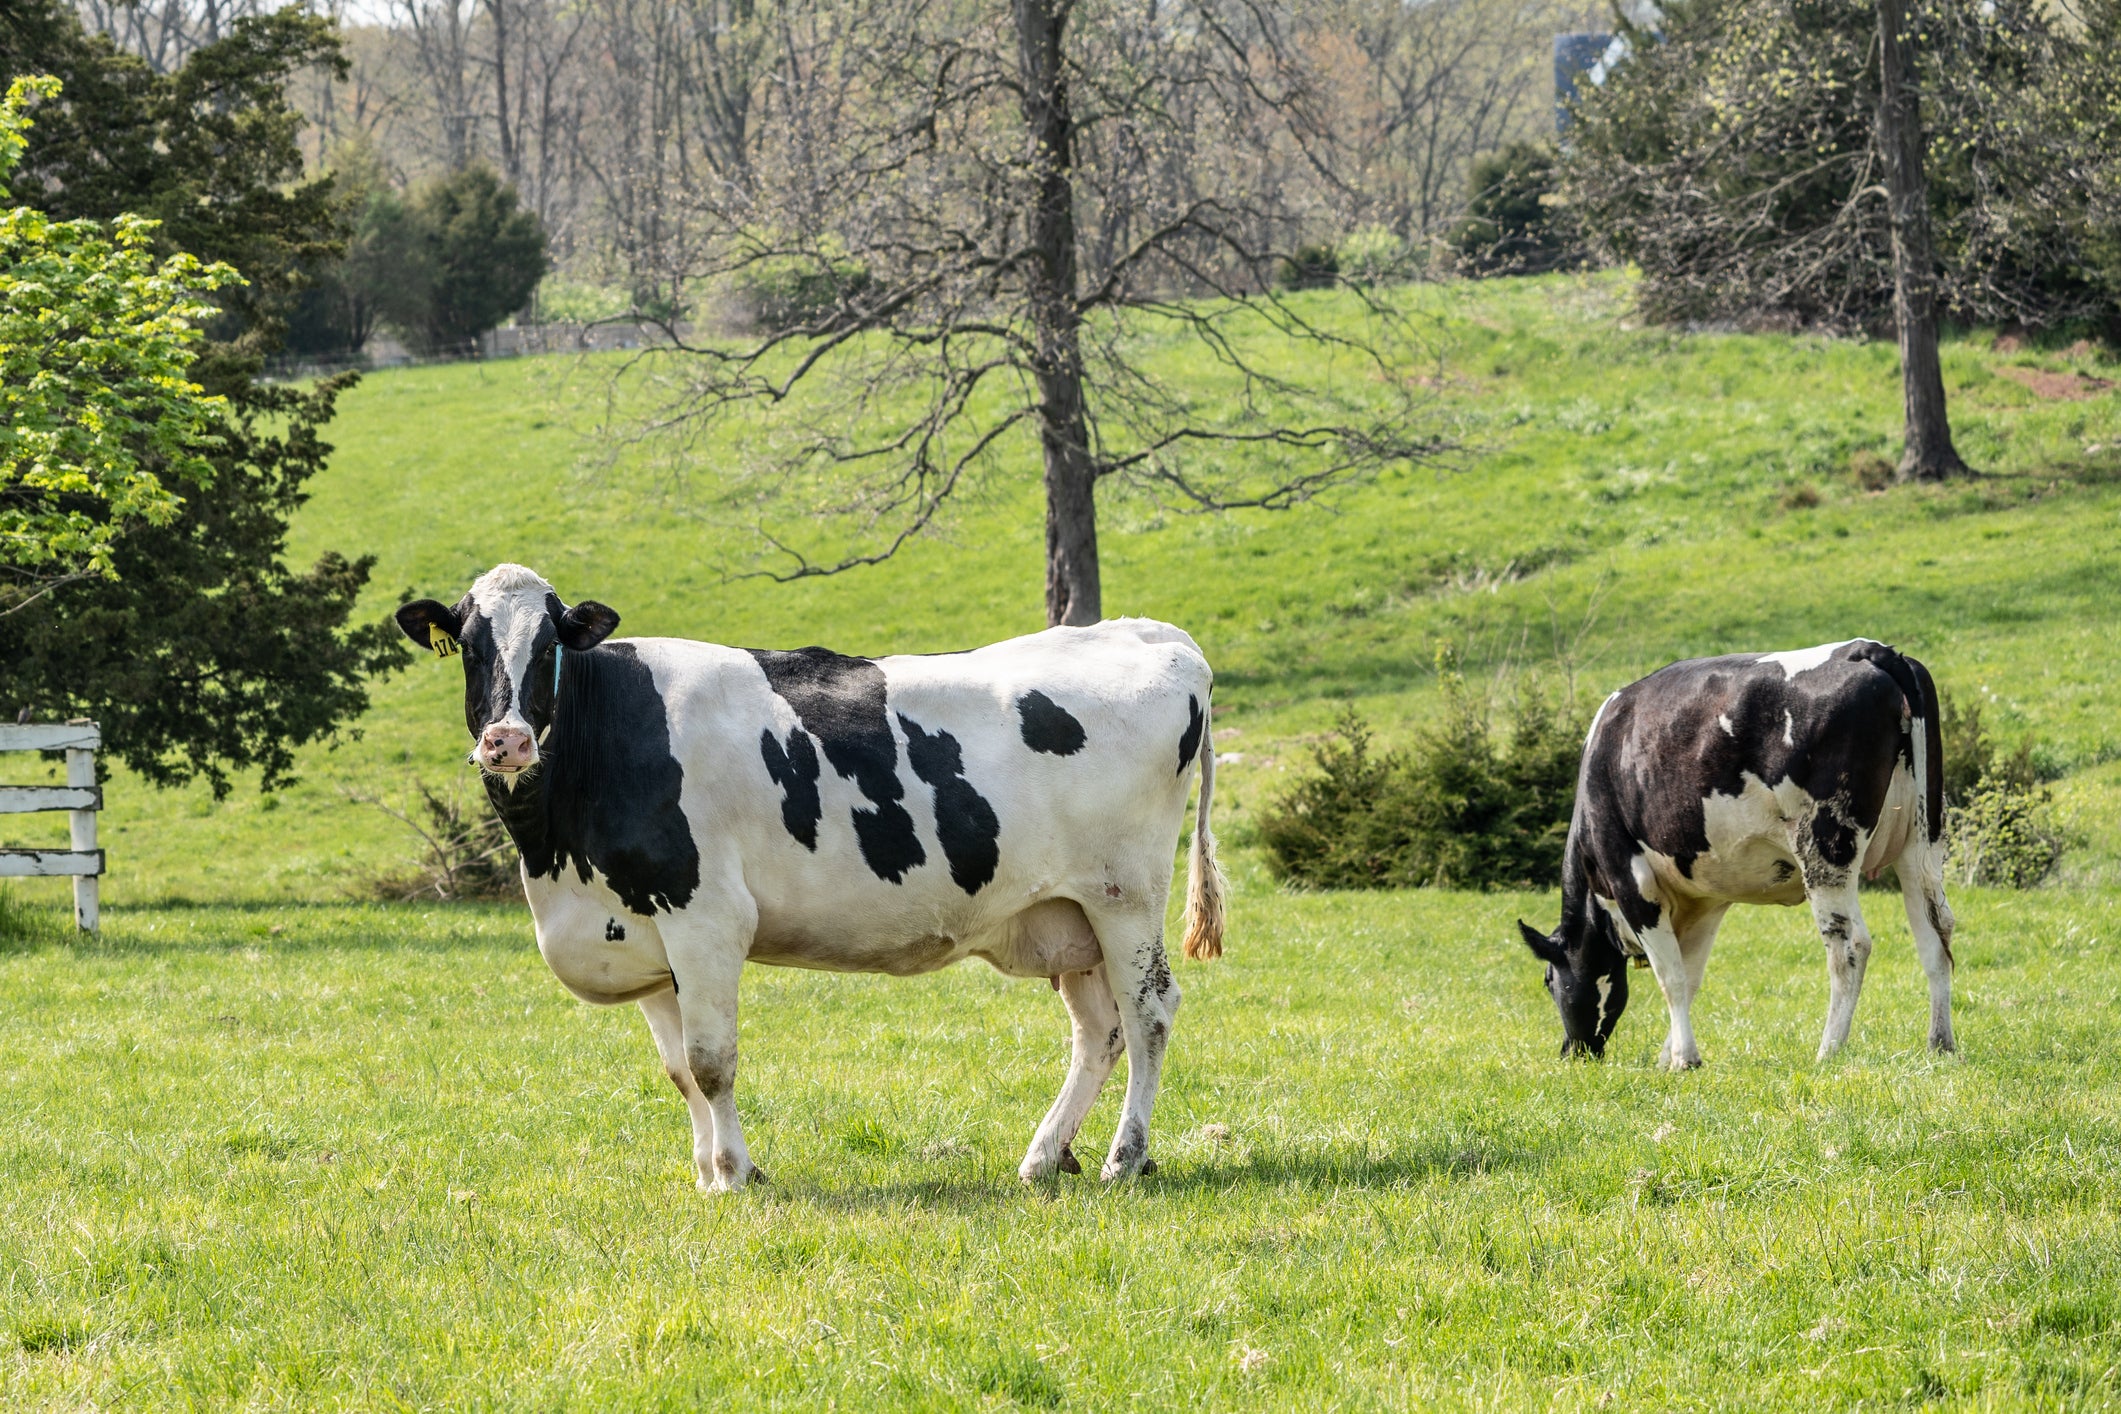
x,y
682,808
1754,778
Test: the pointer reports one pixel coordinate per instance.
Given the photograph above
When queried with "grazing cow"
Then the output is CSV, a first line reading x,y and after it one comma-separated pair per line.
x,y
1754,778
683,808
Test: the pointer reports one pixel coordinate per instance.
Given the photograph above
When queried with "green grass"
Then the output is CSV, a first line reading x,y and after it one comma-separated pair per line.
x,y
311,1157
262,1146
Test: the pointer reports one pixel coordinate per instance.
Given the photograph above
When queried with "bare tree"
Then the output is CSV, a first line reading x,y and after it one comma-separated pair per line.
x,y
165,32
1425,89
1928,454
943,283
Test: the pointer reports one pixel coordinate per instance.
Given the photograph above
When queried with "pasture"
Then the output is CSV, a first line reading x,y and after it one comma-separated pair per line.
x,y
268,1145
281,1157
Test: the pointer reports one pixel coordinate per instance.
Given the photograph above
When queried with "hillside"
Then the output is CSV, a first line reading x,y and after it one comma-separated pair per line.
x,y
1648,494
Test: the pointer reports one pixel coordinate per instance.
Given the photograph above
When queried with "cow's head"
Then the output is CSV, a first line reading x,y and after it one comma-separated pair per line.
x,y
511,629
1587,975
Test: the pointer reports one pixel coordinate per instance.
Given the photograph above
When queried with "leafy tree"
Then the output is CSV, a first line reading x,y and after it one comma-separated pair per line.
x,y
207,653
97,410
474,256
1512,225
1734,156
346,295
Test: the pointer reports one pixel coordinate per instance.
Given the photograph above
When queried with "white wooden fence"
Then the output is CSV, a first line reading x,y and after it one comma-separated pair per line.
x,y
80,796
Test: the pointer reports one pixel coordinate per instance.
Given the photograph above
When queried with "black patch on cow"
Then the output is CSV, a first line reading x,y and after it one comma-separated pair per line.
x,y
606,794
1190,742
614,931
1783,870
794,770
1048,726
1837,927
840,702
964,821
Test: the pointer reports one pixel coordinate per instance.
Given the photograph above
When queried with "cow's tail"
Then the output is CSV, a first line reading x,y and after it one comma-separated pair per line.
x,y
1928,753
1204,877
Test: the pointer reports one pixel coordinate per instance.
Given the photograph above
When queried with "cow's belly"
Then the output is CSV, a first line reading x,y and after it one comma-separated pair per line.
x,y
1043,940
598,950
1756,870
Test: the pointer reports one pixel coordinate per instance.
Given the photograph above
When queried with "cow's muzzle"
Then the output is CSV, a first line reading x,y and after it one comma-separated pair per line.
x,y
506,750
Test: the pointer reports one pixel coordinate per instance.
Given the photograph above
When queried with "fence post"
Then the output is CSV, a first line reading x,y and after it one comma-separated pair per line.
x,y
80,797
81,771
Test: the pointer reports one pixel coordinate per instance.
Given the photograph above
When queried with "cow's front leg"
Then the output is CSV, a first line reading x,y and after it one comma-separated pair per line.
x,y
668,1027
1132,941
706,960
1098,1040
1661,944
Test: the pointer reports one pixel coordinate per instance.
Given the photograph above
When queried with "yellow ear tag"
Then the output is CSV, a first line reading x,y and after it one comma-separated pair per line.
x,y
443,645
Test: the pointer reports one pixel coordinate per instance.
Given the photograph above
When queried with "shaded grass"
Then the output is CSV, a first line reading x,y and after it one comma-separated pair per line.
x,y
375,1156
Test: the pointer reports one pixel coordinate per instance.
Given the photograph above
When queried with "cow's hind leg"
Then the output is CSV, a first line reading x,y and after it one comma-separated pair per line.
x,y
1929,918
1132,940
1098,1041
1837,911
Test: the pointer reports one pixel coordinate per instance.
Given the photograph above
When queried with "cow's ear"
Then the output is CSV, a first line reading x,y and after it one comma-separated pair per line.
x,y
423,617
586,625
1543,947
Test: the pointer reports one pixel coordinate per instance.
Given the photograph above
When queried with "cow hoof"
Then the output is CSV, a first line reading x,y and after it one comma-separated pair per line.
x,y
1114,1172
1943,1045
1068,1162
728,1175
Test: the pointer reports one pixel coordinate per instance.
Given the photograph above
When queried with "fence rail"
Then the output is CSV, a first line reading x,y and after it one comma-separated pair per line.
x,y
80,797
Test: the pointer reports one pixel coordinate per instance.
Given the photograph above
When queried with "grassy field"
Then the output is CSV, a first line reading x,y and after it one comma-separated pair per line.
x,y
268,1146
300,1157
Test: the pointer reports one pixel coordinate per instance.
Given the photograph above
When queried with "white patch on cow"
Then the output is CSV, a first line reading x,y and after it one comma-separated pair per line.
x,y
1597,717
513,600
1789,728
1723,719
1605,995
1803,660
1748,859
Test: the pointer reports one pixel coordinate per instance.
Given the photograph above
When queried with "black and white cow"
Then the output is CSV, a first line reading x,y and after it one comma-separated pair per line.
x,y
1754,778
683,808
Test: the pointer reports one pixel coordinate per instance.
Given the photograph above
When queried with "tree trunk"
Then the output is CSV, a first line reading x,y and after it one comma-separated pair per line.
x,y
1928,454
1072,592
503,119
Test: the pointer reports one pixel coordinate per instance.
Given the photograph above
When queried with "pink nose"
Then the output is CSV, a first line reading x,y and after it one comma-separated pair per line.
x,y
509,748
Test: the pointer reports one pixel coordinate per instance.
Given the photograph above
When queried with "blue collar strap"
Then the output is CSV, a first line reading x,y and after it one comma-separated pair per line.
x,y
557,653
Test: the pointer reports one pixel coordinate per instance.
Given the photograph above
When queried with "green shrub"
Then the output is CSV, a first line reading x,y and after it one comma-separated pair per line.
x,y
1373,255
2004,834
1310,267
785,292
1513,225
1999,820
1452,811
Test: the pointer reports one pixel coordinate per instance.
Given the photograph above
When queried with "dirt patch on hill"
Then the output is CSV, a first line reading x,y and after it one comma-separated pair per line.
x,y
2065,386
